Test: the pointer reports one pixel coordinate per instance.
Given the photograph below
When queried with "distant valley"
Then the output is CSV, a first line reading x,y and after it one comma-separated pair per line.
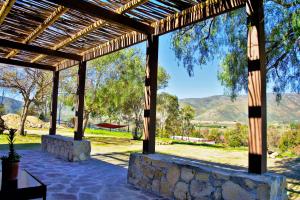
x,y
218,108
221,108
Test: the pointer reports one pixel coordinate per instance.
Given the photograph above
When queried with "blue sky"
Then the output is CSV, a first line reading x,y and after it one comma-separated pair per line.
x,y
204,83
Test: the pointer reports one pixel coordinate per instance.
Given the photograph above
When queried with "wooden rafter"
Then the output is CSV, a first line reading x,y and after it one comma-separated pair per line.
x,y
27,64
96,25
5,9
105,14
37,49
34,34
197,13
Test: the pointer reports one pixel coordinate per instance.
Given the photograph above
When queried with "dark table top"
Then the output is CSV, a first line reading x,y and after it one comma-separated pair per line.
x,y
25,180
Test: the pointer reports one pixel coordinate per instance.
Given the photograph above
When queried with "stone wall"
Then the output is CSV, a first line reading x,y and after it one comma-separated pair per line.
x,y
177,178
66,148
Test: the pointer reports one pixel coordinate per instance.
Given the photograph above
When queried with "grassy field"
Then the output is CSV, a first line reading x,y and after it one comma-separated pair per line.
x,y
115,147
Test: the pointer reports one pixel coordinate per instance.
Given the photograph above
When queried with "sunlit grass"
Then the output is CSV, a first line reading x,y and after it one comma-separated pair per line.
x,y
30,141
107,133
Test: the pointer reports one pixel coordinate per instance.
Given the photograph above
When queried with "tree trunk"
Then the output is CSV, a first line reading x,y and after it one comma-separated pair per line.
x,y
23,117
85,120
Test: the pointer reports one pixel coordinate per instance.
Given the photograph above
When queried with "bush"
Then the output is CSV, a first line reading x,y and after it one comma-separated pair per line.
x,y
215,135
196,133
162,133
237,136
273,138
289,140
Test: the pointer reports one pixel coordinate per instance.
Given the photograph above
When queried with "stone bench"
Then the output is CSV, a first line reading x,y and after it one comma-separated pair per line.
x,y
66,147
176,178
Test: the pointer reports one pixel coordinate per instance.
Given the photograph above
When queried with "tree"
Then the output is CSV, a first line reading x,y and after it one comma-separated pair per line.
x,y
127,88
225,38
168,113
236,136
114,87
187,113
30,83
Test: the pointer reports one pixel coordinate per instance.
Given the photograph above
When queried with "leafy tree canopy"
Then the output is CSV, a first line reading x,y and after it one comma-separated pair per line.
x,y
224,38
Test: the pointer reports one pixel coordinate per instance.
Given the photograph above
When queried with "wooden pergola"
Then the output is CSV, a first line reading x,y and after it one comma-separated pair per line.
x,y
58,34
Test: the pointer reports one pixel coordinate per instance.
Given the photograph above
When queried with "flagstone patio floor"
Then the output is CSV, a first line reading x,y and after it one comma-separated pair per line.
x,y
88,180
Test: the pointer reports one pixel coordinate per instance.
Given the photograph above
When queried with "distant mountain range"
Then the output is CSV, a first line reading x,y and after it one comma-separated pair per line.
x,y
218,108
11,105
221,108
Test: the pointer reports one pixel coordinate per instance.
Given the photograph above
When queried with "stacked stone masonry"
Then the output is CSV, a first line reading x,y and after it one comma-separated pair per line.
x,y
66,148
176,178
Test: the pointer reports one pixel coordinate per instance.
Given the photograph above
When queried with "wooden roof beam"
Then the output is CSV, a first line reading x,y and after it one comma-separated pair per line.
x,y
37,49
96,25
59,11
199,12
5,9
105,14
27,64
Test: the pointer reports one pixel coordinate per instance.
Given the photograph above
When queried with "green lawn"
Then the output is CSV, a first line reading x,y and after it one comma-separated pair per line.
x,y
107,133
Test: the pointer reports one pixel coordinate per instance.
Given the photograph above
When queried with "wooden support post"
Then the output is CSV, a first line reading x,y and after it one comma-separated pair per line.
x,y
78,134
53,116
150,94
257,88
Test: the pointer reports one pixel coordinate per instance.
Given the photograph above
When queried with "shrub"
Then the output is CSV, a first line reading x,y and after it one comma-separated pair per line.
x,y
162,133
273,138
196,133
214,134
290,139
237,136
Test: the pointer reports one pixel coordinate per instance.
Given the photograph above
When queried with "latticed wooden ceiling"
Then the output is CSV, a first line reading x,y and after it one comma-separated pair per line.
x,y
83,27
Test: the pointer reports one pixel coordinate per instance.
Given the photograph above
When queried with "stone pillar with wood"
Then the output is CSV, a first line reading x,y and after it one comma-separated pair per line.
x,y
150,94
67,148
256,87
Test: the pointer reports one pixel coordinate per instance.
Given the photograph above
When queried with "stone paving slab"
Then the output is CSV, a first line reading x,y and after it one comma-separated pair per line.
x,y
86,180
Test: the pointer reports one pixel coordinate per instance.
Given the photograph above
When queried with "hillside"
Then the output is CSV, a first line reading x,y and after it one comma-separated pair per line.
x,y
11,105
221,108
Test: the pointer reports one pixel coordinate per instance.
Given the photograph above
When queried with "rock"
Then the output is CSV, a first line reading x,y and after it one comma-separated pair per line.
x,y
173,175
165,189
155,186
82,156
218,194
250,184
199,190
158,174
159,163
181,191
202,176
273,155
187,174
148,171
232,191
263,192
